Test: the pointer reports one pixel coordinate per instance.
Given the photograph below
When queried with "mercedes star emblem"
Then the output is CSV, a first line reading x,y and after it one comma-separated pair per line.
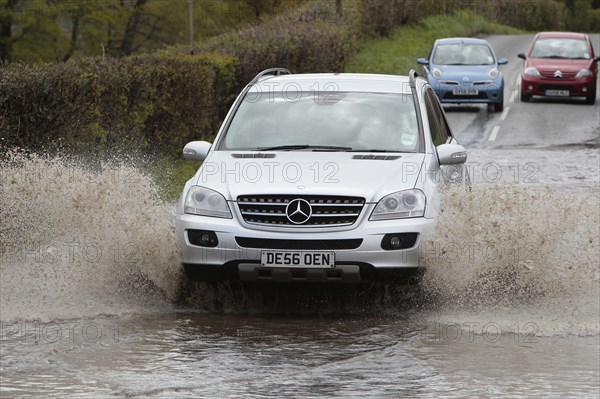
x,y
298,211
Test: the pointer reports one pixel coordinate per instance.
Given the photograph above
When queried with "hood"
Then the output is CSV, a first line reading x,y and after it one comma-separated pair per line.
x,y
552,64
458,72
369,175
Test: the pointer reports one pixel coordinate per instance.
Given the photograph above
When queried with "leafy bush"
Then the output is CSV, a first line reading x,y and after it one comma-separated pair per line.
x,y
155,103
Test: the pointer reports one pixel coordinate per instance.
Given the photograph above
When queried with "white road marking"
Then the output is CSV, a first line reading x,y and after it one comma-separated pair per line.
x,y
513,96
495,131
504,113
516,92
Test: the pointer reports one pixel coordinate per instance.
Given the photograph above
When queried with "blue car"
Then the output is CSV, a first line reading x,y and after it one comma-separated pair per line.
x,y
465,70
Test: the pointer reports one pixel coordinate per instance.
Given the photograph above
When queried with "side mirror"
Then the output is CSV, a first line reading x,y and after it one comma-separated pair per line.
x,y
422,61
521,55
196,150
451,154
502,61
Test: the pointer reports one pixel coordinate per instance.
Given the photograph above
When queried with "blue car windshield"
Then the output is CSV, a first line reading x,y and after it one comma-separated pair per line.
x,y
350,121
463,54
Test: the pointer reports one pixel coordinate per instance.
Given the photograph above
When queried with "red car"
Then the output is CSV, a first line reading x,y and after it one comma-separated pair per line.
x,y
560,64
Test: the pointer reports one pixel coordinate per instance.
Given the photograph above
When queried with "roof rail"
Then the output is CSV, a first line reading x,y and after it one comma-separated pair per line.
x,y
412,77
271,71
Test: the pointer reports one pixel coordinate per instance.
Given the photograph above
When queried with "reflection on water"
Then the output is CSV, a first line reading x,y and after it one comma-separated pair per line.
x,y
195,355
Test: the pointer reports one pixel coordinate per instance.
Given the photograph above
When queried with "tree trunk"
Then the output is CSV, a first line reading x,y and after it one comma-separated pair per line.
x,y
131,28
6,29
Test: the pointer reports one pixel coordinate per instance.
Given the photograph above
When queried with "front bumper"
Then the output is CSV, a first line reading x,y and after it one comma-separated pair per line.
x,y
581,87
486,92
228,257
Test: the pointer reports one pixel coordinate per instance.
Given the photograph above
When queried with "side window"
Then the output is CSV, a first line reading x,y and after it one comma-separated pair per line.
x,y
440,131
433,123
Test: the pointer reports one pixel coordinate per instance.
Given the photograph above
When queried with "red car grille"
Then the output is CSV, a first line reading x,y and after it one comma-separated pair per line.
x,y
551,74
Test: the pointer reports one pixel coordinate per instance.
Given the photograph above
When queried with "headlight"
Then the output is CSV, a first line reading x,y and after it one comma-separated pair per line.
x,y
532,71
436,73
401,204
493,73
206,202
583,73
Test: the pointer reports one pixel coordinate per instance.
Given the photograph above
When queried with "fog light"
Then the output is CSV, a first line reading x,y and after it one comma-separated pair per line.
x,y
584,89
395,241
203,238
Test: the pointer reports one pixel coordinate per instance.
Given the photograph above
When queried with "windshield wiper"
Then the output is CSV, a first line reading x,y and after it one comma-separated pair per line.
x,y
290,147
370,150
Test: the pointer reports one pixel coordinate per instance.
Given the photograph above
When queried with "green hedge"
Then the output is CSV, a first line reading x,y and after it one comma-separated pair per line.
x,y
154,103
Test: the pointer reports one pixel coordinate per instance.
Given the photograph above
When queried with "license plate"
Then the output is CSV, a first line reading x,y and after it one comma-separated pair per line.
x,y
465,92
307,259
558,93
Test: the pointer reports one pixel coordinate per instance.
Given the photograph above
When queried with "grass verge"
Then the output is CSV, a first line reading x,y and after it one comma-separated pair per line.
x,y
397,54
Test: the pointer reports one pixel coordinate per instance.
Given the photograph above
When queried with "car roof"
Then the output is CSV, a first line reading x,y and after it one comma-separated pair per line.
x,y
565,35
461,40
332,82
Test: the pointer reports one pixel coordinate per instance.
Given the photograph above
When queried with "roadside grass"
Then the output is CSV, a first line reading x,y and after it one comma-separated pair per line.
x,y
398,53
170,176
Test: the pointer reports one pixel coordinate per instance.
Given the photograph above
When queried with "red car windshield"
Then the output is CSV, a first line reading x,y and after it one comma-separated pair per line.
x,y
561,48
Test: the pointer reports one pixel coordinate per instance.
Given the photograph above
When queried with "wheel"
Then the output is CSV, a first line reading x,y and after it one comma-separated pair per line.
x,y
591,99
499,107
525,97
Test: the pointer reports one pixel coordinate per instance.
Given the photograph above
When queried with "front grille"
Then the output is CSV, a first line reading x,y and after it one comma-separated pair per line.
x,y
565,75
307,245
327,210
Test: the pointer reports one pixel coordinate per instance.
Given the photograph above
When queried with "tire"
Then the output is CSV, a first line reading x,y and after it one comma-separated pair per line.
x,y
499,107
525,97
591,99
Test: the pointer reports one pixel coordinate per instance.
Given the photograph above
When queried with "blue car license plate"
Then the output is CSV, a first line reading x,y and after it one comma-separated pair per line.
x,y
465,92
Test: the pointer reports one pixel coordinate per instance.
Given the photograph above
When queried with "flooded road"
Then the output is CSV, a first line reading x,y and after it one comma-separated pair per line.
x,y
193,355
93,303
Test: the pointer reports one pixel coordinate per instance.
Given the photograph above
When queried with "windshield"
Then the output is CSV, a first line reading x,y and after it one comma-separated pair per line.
x,y
560,48
463,54
347,121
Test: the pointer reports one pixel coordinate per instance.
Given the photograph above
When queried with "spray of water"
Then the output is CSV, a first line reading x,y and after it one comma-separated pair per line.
x,y
80,240
522,254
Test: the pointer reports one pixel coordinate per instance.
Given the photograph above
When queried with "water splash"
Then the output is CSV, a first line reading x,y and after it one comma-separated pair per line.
x,y
81,240
517,253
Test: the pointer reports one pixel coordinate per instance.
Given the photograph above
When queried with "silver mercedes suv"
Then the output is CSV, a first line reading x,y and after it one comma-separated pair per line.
x,y
318,178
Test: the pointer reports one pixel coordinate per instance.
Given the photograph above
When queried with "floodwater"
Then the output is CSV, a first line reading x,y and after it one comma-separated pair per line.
x,y
93,304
